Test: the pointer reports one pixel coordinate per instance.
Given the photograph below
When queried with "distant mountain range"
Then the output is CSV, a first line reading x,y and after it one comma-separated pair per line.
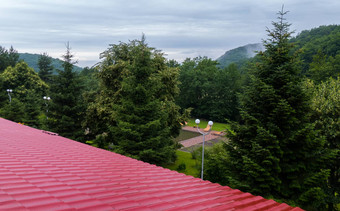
x,y
239,55
32,61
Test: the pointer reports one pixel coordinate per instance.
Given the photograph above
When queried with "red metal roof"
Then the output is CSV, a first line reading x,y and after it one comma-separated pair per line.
x,y
40,171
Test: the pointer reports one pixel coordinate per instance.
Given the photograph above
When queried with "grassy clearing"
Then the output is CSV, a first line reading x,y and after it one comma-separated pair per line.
x,y
216,126
190,164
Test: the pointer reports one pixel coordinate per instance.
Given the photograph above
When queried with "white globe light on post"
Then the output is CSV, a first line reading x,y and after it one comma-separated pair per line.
x,y
46,103
197,121
210,123
9,91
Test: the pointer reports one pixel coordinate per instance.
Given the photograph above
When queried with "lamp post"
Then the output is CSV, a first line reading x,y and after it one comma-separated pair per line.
x,y
46,103
9,91
210,123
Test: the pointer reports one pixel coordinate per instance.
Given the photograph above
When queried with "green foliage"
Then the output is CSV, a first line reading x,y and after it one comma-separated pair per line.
x,y
22,80
273,151
13,111
136,103
324,38
181,167
172,63
45,67
215,158
89,79
189,162
324,67
8,58
326,114
210,91
33,108
66,106
196,76
28,90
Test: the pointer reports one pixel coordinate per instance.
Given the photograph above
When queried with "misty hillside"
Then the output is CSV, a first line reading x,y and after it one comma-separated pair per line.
x,y
239,55
32,61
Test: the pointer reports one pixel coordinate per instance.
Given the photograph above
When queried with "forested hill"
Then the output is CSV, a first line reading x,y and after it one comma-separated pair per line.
x,y
323,40
32,61
239,55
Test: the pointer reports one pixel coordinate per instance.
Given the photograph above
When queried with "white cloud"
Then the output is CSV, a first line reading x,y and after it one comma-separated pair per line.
x,y
181,28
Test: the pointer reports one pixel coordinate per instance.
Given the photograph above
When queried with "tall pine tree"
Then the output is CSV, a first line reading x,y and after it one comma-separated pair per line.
x,y
274,151
8,58
65,107
45,67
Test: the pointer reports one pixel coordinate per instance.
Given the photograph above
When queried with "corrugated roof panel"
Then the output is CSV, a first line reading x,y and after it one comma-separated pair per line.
x,y
12,205
268,204
39,171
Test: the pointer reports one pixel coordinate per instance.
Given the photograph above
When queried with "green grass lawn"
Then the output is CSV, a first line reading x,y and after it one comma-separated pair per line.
x,y
185,158
190,164
203,124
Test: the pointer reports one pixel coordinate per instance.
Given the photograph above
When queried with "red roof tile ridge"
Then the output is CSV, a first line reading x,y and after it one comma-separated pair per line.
x,y
50,133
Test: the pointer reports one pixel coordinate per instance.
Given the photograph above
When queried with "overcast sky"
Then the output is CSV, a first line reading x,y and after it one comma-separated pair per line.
x,y
180,28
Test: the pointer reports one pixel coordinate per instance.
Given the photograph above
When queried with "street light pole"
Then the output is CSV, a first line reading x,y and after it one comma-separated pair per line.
x,y
210,123
46,100
9,91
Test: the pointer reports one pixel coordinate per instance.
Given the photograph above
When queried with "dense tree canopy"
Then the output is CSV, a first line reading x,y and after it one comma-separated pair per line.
x,y
28,90
326,114
22,79
324,38
135,110
211,92
323,67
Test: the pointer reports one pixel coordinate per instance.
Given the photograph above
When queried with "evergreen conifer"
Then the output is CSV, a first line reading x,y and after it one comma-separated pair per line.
x,y
65,104
274,152
45,67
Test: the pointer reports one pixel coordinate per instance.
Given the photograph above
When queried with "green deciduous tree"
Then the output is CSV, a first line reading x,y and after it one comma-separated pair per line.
x,y
326,114
210,91
324,67
28,90
135,109
23,79
197,77
322,38
224,103
275,151
215,159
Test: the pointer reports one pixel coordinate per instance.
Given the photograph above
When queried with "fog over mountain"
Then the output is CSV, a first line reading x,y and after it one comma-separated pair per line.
x,y
239,54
